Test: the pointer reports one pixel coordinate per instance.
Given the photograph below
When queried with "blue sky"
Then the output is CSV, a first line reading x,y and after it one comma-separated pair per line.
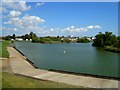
x,y
60,18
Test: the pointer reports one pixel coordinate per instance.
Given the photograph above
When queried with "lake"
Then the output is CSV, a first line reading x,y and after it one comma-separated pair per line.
x,y
72,57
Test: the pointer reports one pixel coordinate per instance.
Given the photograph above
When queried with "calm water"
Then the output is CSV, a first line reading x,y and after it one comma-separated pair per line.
x,y
79,57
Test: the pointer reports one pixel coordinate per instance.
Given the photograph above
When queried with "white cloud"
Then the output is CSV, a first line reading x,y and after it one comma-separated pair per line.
x,y
23,24
9,22
9,29
51,29
39,4
44,31
32,19
14,22
26,21
73,29
97,26
14,14
94,27
18,6
90,27
15,29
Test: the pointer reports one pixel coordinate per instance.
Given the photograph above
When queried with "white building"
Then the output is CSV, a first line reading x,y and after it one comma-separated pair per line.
x,y
12,40
73,39
89,39
93,38
62,39
19,39
26,39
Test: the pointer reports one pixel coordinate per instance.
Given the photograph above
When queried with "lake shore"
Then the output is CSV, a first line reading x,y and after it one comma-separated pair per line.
x,y
112,49
20,65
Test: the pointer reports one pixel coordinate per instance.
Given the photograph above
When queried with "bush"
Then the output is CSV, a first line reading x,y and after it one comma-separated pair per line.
x,y
83,40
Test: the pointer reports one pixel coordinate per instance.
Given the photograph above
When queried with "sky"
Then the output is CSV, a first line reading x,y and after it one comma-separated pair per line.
x,y
59,18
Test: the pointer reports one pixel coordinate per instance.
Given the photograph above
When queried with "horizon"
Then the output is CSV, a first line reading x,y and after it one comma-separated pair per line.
x,y
59,18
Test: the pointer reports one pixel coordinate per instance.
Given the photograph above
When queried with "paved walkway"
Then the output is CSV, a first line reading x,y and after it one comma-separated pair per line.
x,y
22,67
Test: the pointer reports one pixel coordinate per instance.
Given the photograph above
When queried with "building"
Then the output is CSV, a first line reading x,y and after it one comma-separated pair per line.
x,y
26,39
30,39
19,39
12,40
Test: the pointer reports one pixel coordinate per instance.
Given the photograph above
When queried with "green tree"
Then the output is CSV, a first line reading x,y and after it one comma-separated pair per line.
x,y
107,39
66,40
32,35
13,36
99,40
83,40
8,37
35,40
26,36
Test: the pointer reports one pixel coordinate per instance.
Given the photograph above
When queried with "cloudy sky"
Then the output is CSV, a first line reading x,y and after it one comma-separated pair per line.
x,y
59,18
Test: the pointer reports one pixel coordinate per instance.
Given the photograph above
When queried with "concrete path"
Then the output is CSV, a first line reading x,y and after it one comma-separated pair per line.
x,y
22,67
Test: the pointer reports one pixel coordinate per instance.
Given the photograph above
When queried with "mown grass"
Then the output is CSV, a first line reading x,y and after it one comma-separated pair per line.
x,y
13,81
3,49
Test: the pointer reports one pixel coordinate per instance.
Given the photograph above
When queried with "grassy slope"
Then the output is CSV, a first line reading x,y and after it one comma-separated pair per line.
x,y
3,49
13,81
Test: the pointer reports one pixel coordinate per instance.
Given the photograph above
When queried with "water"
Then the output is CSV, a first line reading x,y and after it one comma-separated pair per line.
x,y
73,57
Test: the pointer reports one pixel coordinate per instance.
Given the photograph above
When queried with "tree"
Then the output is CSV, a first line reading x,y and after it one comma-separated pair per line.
x,y
99,40
31,34
58,37
66,40
83,40
36,40
8,37
13,36
26,36
107,39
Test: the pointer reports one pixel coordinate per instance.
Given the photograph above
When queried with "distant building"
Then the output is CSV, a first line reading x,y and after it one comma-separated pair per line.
x,y
93,38
12,40
73,39
19,39
62,38
26,39
70,38
89,39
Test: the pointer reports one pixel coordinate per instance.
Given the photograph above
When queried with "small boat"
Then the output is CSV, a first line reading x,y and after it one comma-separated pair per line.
x,y
64,51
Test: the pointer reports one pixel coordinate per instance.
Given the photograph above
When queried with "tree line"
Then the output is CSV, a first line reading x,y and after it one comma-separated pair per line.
x,y
48,39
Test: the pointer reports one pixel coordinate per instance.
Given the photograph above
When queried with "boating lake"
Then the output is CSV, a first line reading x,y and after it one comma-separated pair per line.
x,y
72,57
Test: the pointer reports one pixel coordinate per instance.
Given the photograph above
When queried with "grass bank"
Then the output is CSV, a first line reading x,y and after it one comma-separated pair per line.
x,y
3,49
14,81
112,49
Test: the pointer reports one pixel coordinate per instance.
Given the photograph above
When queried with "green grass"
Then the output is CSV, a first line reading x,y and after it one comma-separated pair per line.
x,y
3,49
15,81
